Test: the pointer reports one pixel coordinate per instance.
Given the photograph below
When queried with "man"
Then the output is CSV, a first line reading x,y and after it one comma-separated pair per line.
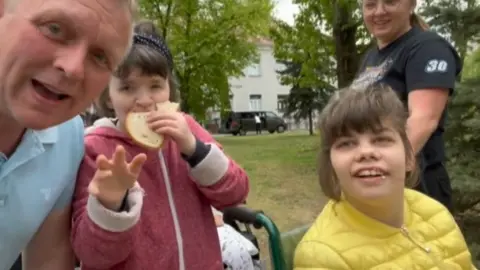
x,y
258,124
56,56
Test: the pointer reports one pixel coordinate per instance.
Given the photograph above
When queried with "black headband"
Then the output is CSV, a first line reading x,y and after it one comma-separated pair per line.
x,y
155,43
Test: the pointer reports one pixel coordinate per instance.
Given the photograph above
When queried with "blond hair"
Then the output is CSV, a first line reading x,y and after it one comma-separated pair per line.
x,y
360,110
416,20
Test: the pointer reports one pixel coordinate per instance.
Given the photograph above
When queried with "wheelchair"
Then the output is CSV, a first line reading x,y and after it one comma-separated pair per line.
x,y
281,245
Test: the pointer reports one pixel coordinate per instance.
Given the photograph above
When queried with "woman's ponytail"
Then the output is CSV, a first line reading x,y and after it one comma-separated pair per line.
x,y
416,20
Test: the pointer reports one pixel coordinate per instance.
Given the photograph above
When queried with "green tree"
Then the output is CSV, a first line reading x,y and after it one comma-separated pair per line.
x,y
342,21
303,43
463,144
351,38
211,42
463,136
322,51
326,33
309,67
455,19
303,102
472,65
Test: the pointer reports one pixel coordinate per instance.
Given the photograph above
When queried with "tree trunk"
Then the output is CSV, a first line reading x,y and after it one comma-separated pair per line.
x,y
183,100
185,83
310,122
344,31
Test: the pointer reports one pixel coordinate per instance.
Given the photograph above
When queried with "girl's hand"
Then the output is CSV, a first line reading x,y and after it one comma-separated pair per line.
x,y
174,125
114,177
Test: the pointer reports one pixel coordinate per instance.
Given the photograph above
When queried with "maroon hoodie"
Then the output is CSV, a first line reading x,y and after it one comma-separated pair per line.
x,y
169,224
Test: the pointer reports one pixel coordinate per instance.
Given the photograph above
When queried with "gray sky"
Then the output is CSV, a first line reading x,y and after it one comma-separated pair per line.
x,y
285,10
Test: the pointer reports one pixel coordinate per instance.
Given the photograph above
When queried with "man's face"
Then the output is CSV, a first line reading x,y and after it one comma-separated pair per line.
x,y
56,56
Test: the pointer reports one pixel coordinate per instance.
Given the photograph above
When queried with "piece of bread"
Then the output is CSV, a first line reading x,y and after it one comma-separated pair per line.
x,y
137,127
168,106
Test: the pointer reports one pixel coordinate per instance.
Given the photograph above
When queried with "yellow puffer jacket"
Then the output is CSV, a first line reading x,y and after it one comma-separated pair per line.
x,y
344,238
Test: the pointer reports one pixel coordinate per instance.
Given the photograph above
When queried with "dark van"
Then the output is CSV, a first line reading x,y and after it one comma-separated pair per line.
x,y
239,123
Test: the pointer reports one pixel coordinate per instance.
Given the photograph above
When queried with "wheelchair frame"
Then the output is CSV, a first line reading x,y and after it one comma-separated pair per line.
x,y
258,220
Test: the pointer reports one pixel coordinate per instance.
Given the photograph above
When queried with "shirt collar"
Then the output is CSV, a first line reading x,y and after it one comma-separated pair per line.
x,y
47,136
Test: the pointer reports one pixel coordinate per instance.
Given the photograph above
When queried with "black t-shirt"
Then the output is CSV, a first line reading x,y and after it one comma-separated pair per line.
x,y
417,60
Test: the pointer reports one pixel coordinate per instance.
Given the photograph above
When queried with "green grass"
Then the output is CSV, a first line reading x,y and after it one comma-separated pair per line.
x,y
283,179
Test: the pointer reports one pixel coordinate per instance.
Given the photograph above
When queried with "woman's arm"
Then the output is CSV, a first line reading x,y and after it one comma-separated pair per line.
x,y
426,107
430,74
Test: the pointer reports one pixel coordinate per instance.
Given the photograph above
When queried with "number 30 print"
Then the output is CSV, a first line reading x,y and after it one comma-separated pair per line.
x,y
436,66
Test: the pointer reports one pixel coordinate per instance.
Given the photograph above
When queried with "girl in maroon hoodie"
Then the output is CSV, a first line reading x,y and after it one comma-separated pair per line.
x,y
139,209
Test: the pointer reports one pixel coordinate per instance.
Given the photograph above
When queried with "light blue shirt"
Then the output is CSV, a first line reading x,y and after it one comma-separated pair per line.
x,y
38,178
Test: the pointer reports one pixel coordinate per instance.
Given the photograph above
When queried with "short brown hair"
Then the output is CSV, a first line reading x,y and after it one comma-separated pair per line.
x,y
360,110
149,61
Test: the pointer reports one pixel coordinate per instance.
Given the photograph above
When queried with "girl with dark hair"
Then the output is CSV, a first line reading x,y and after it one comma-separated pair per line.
x,y
150,209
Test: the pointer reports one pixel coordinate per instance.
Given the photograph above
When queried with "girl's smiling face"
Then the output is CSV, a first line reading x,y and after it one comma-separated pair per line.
x,y
370,166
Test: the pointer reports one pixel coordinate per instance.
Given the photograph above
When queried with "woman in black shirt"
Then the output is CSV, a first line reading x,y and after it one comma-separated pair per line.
x,y
422,68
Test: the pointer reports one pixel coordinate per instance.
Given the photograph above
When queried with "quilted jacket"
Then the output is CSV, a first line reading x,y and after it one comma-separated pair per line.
x,y
343,238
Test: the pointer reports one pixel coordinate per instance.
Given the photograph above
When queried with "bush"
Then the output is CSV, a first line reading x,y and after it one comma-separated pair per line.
x,y
463,146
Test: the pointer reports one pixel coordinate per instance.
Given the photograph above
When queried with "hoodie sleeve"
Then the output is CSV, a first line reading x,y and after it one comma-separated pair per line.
x,y
218,177
96,231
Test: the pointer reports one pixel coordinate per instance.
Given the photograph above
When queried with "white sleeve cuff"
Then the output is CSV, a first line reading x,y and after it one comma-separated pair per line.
x,y
117,221
212,168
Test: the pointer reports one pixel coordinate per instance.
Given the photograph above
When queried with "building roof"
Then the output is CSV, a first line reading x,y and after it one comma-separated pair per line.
x,y
263,41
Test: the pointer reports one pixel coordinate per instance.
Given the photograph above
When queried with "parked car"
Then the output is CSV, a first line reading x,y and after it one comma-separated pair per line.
x,y
239,123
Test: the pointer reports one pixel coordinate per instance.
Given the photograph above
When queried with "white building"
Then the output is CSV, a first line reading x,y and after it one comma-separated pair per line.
x,y
260,88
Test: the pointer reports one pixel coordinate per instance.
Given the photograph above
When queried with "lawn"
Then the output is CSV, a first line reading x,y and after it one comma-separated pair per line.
x,y
282,171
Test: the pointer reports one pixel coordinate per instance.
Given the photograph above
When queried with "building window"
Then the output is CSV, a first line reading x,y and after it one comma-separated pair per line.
x,y
282,103
254,70
255,102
